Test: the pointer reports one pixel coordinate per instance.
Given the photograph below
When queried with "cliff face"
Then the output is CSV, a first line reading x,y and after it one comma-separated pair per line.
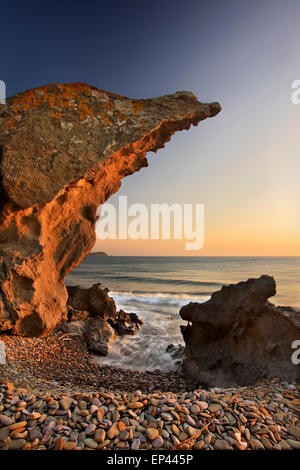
x,y
65,149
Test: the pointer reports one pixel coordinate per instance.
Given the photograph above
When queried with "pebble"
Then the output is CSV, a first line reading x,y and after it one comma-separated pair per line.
x,y
294,431
90,443
198,445
294,444
5,420
135,405
90,429
152,433
195,409
221,444
215,407
158,442
136,444
100,435
69,445
203,405
124,435
245,418
16,444
113,431
66,403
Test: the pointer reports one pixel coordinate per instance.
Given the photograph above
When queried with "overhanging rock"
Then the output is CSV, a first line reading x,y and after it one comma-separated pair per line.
x,y
65,149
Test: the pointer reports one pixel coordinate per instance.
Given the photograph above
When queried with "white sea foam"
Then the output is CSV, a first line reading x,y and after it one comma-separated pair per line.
x,y
156,298
157,287
147,349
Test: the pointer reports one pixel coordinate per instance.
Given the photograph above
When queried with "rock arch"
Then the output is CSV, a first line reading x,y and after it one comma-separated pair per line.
x,y
65,149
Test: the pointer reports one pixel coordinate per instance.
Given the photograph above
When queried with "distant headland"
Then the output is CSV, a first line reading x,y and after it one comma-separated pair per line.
x,y
98,253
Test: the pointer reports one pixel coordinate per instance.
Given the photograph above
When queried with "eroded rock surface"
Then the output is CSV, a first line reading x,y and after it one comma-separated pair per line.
x,y
239,337
65,149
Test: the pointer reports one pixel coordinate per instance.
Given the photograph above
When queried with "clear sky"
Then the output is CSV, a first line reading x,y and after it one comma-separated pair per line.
x,y
244,163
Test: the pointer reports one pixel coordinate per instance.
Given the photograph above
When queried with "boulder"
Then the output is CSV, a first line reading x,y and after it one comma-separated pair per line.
x,y
76,328
65,149
77,315
127,323
98,336
239,337
88,305
94,300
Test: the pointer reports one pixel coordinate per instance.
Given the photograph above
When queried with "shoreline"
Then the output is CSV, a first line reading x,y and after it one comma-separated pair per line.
x,y
53,396
64,360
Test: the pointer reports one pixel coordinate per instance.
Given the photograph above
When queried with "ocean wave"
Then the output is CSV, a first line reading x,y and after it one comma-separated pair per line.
x,y
147,279
157,280
156,298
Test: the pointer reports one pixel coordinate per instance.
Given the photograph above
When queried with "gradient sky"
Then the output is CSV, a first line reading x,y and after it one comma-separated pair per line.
x,y
244,163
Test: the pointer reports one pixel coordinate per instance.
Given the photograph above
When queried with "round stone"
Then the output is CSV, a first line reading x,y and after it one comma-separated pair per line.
x,y
158,442
135,405
152,433
16,444
203,405
221,444
5,420
99,435
66,403
113,431
195,409
136,444
215,407
90,443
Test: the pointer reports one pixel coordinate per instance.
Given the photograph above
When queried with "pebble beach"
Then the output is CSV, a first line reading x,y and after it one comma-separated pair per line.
x,y
54,397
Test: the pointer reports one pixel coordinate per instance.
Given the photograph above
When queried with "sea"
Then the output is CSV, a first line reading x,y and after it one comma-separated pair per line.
x,y
156,287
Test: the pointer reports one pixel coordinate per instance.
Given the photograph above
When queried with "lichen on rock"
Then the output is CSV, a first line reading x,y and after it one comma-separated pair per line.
x,y
65,149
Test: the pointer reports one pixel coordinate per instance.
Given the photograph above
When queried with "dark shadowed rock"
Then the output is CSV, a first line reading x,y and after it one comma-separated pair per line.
x,y
238,337
77,327
86,306
65,149
99,335
127,323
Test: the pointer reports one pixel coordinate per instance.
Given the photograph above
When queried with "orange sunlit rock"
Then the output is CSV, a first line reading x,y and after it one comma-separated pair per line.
x,y
65,149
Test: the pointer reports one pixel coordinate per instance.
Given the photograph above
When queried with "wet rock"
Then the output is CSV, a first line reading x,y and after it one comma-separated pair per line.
x,y
127,323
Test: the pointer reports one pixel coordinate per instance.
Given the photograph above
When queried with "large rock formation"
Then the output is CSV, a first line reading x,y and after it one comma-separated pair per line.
x,y
238,337
65,149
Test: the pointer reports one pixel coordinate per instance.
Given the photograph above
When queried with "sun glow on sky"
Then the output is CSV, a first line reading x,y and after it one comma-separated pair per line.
x,y
243,164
